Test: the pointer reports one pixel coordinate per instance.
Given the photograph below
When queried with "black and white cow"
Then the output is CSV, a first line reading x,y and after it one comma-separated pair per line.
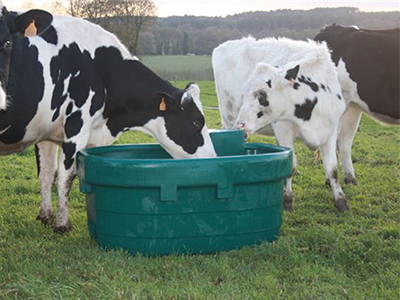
x,y
368,68
68,83
283,87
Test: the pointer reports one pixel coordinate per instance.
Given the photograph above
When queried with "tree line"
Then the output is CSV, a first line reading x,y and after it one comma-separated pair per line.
x,y
136,24
200,35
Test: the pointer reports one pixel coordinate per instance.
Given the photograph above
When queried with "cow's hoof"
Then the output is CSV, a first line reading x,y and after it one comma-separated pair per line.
x,y
46,220
288,202
350,180
63,229
288,206
341,204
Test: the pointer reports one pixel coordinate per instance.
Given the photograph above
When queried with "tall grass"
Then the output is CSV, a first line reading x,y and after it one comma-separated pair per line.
x,y
321,253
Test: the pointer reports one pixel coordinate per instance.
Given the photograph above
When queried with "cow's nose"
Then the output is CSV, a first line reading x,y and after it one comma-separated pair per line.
x,y
240,125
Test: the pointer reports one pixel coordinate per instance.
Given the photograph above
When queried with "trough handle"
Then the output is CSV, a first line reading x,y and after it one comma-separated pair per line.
x,y
168,193
225,190
85,187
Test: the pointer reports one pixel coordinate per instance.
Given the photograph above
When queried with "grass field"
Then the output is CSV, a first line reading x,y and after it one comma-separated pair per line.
x,y
321,253
181,67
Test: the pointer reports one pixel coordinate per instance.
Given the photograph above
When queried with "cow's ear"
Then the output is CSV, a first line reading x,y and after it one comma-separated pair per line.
x,y
291,74
33,22
163,101
193,89
263,68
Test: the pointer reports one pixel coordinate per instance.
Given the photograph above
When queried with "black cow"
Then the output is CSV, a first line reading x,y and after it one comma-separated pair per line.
x,y
68,83
368,67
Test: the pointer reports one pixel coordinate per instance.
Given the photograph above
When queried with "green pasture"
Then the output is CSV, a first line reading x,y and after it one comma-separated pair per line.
x,y
321,253
181,67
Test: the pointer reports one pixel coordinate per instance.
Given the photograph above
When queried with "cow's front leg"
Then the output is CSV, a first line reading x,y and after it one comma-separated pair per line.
x,y
285,133
348,128
66,175
328,152
46,157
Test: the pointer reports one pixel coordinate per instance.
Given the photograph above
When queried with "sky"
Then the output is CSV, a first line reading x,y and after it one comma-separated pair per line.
x,y
229,7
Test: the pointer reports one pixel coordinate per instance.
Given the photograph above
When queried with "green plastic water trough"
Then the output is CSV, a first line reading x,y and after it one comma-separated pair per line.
x,y
141,200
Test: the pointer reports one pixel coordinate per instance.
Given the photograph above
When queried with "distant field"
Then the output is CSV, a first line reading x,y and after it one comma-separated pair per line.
x,y
180,67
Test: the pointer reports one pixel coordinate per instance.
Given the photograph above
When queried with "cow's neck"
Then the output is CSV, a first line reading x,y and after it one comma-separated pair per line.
x,y
131,89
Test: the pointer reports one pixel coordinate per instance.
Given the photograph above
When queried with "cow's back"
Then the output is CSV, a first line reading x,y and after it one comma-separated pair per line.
x,y
87,35
370,58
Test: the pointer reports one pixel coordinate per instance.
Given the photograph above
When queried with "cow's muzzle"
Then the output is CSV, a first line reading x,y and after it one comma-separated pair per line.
x,y
242,126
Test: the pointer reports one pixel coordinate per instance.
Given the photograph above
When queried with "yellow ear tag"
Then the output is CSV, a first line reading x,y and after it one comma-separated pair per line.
x,y
163,106
31,30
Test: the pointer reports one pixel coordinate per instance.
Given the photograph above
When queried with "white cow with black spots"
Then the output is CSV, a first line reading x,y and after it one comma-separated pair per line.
x,y
283,87
67,83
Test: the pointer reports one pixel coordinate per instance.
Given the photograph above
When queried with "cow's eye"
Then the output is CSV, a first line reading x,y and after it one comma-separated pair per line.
x,y
196,124
7,44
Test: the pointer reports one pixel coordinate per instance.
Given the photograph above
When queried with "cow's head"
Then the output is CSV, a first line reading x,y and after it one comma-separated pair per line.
x,y
180,125
31,23
265,96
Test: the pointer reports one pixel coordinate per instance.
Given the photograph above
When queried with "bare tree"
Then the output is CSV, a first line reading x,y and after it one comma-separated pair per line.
x,y
27,4
125,18
133,15
63,7
75,8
